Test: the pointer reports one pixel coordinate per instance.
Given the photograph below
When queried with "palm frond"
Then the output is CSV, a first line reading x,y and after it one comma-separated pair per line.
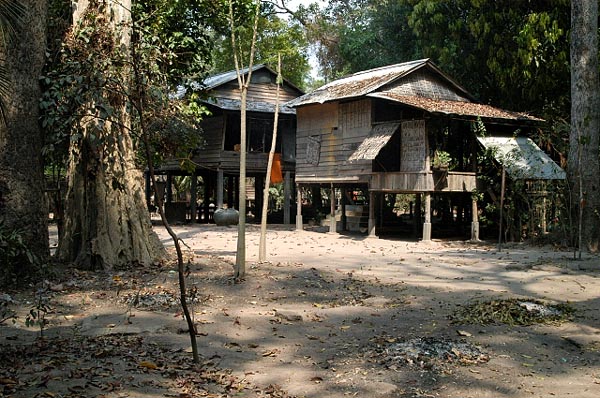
x,y
12,17
4,90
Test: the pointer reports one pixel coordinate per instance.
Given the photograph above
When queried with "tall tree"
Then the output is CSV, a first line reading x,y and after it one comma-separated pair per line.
x,y
106,220
262,245
513,54
22,201
240,54
275,36
584,166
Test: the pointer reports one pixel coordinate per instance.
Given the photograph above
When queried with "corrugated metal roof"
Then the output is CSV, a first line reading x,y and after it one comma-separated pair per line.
x,y
456,107
251,106
377,138
362,83
225,77
522,158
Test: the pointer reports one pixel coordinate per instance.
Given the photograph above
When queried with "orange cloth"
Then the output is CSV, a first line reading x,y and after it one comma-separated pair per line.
x,y
276,176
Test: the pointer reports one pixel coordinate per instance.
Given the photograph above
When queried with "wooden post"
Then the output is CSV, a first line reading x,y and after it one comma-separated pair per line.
x,y
287,196
371,225
502,187
317,200
230,192
193,190
343,203
427,223
332,223
236,190
169,187
417,215
259,186
206,200
220,181
474,221
298,208
543,223
148,189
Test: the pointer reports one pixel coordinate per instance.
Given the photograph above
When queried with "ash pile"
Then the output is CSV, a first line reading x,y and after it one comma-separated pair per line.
x,y
432,352
149,300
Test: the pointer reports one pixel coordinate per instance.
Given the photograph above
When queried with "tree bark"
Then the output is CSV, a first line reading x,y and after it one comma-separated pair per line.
x,y
106,222
22,201
584,166
262,245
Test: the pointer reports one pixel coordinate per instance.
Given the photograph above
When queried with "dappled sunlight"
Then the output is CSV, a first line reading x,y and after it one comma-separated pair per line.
x,y
326,316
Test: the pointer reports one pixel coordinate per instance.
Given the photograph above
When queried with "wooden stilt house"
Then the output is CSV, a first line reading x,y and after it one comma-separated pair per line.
x,y
407,129
217,164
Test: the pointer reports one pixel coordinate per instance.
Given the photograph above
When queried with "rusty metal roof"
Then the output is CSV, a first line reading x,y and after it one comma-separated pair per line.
x,y
362,83
378,137
251,106
460,108
522,159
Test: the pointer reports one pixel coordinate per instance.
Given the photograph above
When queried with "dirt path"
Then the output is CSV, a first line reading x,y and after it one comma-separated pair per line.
x,y
329,316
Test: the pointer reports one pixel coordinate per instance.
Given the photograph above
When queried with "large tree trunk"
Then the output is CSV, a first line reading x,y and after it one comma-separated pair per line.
x,y
106,221
22,200
584,167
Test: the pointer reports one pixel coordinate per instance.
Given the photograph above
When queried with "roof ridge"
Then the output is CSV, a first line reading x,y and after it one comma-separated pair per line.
x,y
384,67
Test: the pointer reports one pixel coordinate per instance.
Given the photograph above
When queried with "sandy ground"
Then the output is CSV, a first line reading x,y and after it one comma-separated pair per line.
x,y
326,316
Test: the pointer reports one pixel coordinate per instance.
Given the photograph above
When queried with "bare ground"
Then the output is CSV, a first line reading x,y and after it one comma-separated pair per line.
x,y
328,316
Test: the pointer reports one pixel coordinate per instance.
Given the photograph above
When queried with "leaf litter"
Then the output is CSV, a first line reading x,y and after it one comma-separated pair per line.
x,y
512,312
115,365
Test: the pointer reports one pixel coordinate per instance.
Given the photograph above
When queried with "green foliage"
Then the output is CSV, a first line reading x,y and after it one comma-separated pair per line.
x,y
274,36
88,81
521,47
512,54
37,314
83,68
181,28
441,159
15,256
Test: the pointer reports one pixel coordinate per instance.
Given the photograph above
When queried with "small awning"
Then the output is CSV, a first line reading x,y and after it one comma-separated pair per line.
x,y
251,106
377,138
522,158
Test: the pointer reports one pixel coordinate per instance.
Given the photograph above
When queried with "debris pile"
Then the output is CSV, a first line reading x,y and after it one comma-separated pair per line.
x,y
151,300
155,300
430,352
512,312
6,313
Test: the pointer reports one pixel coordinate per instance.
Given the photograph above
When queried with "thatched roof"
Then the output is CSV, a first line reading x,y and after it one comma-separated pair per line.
x,y
419,84
459,108
363,83
378,137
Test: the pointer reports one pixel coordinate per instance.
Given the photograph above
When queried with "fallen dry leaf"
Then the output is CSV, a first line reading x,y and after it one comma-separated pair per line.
x,y
148,365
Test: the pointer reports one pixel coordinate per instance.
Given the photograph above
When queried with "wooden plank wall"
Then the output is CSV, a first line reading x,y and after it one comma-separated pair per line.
x,y
213,135
423,182
356,124
262,88
336,130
